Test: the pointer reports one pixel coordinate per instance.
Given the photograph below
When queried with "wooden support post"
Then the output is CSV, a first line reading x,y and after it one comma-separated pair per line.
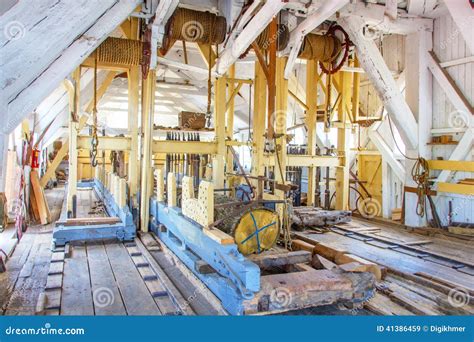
x,y
133,93
419,83
271,82
258,122
3,158
230,116
117,190
280,127
312,104
160,185
148,109
343,134
171,189
219,122
377,71
74,103
355,92
122,193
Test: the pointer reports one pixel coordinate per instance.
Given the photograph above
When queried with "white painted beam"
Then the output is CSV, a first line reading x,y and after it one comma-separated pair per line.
x,y
182,66
3,160
256,25
374,15
326,10
377,71
463,17
387,154
419,96
421,7
46,81
459,101
163,13
391,9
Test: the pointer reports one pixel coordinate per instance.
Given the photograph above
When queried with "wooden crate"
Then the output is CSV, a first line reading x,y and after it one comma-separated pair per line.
x,y
192,120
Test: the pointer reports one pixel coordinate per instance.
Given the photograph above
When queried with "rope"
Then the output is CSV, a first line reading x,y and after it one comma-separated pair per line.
x,y
120,51
322,48
420,174
95,139
197,26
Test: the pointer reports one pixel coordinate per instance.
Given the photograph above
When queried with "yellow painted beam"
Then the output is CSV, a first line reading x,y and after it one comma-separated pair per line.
x,y
462,189
105,143
220,129
194,147
232,79
133,112
258,123
63,151
230,109
305,160
101,90
452,165
310,121
343,134
204,49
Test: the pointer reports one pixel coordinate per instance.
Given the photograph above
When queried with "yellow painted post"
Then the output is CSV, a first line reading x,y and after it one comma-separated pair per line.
x,y
148,109
355,92
280,127
74,102
258,122
230,118
312,104
133,92
343,133
219,119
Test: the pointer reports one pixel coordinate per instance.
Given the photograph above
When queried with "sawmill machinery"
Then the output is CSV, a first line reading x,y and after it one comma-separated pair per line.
x,y
230,245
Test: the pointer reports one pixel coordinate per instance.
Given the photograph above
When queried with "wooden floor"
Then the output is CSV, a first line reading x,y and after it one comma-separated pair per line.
x,y
97,278
143,277
422,280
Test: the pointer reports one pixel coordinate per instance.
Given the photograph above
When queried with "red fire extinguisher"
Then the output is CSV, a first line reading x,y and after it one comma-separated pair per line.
x,y
35,158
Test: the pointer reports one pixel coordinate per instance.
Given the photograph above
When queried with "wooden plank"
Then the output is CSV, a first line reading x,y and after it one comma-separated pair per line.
x,y
136,297
219,236
453,165
454,188
24,297
105,292
81,221
300,245
56,268
173,292
76,298
41,204
281,259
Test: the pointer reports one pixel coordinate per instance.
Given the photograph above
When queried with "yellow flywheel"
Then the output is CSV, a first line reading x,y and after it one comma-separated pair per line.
x,y
257,231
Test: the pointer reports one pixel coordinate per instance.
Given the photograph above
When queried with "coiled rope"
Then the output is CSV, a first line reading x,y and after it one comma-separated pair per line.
x,y
420,174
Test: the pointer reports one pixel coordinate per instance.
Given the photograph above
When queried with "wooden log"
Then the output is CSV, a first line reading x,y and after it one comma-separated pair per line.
x,y
303,217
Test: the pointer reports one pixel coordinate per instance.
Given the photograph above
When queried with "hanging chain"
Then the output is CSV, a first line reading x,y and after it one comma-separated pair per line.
x,y
95,138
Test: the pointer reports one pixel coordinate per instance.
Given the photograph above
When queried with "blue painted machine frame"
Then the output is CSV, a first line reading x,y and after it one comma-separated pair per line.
x,y
123,231
236,279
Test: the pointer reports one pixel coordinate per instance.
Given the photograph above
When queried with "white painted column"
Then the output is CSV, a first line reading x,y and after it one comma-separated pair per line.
x,y
3,160
419,97
378,73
